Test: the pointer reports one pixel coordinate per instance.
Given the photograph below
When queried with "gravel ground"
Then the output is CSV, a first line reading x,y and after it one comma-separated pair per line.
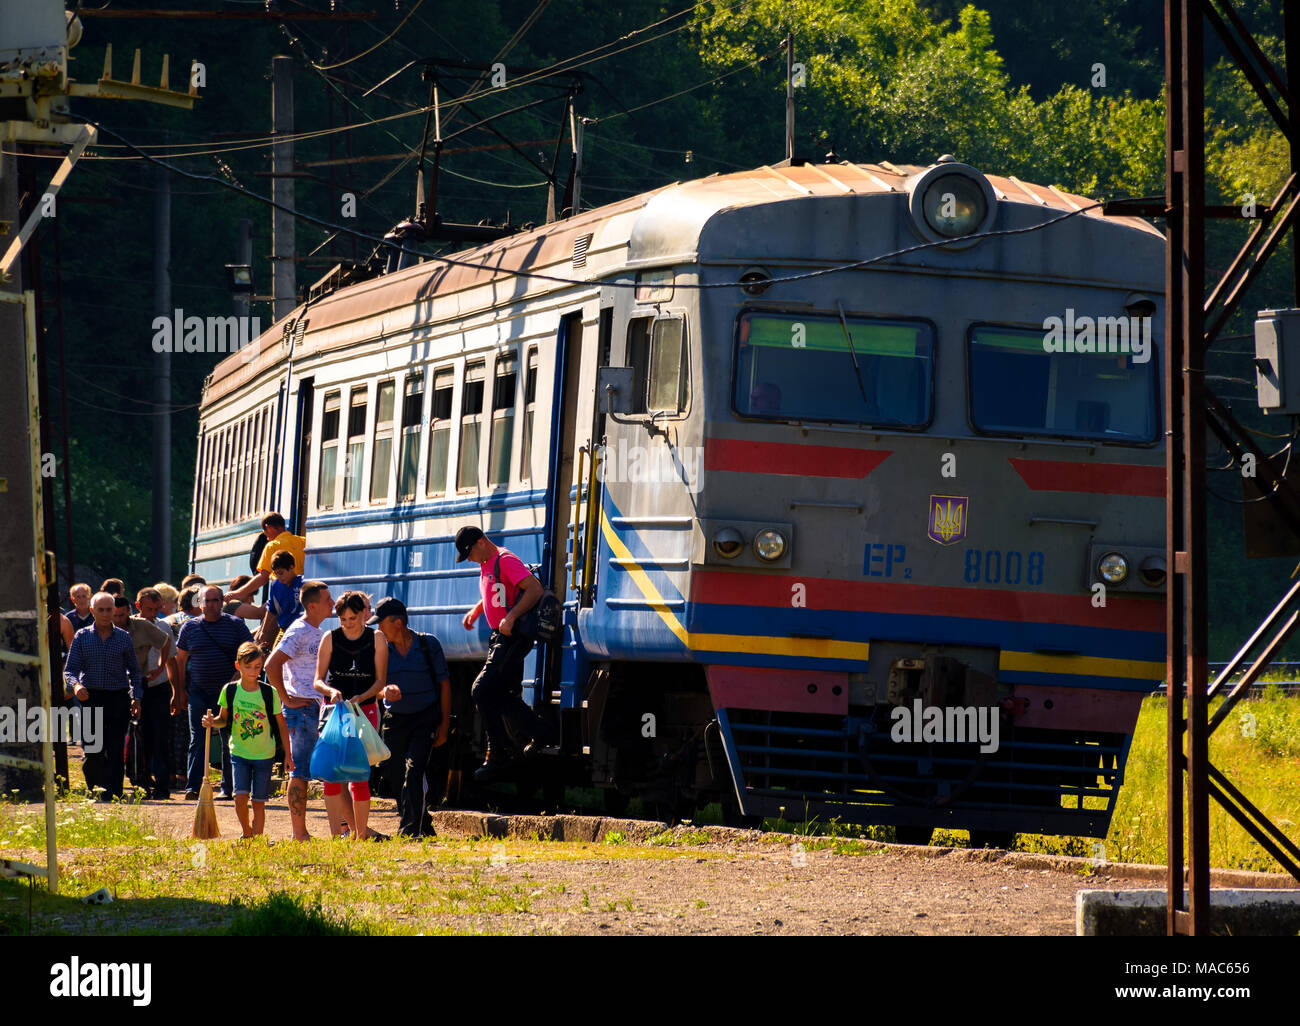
x,y
735,883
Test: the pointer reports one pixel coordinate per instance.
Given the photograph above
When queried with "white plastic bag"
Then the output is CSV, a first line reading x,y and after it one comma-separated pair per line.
x,y
376,750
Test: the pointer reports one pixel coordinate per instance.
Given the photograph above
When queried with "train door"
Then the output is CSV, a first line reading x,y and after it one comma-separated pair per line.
x,y
558,667
302,458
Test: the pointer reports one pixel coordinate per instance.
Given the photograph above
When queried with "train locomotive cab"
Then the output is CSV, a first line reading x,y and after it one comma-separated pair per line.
x,y
876,528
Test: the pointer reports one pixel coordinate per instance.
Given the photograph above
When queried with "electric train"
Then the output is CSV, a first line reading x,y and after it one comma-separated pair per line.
x,y
838,531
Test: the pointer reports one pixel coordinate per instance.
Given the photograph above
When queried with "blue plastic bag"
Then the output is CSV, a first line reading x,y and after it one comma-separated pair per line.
x,y
339,754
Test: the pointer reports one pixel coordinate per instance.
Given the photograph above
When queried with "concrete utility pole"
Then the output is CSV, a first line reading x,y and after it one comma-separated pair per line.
x,y
284,281
161,534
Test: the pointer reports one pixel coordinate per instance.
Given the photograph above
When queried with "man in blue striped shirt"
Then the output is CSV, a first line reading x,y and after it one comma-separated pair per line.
x,y
103,673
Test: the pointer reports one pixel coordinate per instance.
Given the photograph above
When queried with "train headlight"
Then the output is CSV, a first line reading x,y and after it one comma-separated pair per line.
x,y
1113,568
953,205
951,200
1153,571
769,545
728,543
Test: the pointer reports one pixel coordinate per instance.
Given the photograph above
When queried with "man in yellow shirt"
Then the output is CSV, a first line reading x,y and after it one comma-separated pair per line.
x,y
277,540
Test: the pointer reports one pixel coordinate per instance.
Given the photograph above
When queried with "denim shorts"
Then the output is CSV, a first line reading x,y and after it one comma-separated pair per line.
x,y
303,732
252,775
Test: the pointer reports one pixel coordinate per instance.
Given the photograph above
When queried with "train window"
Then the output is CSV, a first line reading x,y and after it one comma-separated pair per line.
x,y
669,384
201,499
201,474
214,481
412,416
254,451
268,461
352,479
1016,387
439,431
241,458
223,503
530,406
329,452
503,420
809,367
638,358
471,420
382,458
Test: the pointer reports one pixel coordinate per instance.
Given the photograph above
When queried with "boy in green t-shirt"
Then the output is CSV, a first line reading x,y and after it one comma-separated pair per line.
x,y
252,748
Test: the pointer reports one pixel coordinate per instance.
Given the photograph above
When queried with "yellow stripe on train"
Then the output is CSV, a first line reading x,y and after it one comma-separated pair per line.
x,y
809,648
1081,666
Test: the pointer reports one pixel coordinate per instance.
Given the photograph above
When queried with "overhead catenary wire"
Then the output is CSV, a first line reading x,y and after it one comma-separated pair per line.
x,y
689,89
341,64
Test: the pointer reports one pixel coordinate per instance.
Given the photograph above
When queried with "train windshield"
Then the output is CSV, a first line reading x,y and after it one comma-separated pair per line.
x,y
1019,388
808,367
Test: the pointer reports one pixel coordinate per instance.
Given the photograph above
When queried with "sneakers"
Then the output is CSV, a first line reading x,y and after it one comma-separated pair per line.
x,y
223,796
191,796
375,835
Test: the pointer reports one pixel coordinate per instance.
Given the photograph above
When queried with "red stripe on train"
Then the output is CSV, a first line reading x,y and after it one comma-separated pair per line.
x,y
1093,478
792,459
1121,612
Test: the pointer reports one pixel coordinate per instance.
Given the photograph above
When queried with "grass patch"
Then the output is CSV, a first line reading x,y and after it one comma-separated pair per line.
x,y
80,822
679,836
1257,748
282,914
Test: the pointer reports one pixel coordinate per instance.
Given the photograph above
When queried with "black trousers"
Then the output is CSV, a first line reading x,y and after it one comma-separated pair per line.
x,y
105,767
409,737
496,692
155,727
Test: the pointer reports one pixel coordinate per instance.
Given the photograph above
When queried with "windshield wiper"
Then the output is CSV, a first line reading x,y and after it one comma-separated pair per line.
x,y
857,371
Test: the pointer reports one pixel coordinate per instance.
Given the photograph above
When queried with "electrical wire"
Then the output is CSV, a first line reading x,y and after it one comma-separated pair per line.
x,y
498,185
690,89
130,413
158,407
1289,449
519,273
342,64
569,64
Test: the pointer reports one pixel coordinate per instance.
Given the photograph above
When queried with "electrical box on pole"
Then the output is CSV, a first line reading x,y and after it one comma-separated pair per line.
x,y
1277,361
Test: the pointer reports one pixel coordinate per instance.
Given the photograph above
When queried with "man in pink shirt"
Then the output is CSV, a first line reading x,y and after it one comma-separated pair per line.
x,y
509,591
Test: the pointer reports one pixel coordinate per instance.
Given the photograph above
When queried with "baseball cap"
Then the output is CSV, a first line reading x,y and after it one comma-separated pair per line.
x,y
389,607
465,539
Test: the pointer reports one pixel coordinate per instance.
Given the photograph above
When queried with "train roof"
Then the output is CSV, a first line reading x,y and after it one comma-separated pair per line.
x,y
650,229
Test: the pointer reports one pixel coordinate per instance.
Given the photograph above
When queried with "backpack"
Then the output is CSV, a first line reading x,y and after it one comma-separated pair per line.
x,y
228,693
542,622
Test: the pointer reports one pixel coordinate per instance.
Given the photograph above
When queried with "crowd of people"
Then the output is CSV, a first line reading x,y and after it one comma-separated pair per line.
x,y
188,652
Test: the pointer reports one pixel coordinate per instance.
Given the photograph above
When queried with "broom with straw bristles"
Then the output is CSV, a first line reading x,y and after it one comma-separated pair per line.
x,y
205,813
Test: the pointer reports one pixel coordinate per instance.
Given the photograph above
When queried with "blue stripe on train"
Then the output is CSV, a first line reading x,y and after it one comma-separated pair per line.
x,y
870,625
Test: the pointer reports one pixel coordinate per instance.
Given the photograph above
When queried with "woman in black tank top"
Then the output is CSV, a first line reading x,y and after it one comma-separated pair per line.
x,y
352,666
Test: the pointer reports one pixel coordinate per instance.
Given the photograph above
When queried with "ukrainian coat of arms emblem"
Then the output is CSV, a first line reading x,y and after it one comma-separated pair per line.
x,y
949,515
